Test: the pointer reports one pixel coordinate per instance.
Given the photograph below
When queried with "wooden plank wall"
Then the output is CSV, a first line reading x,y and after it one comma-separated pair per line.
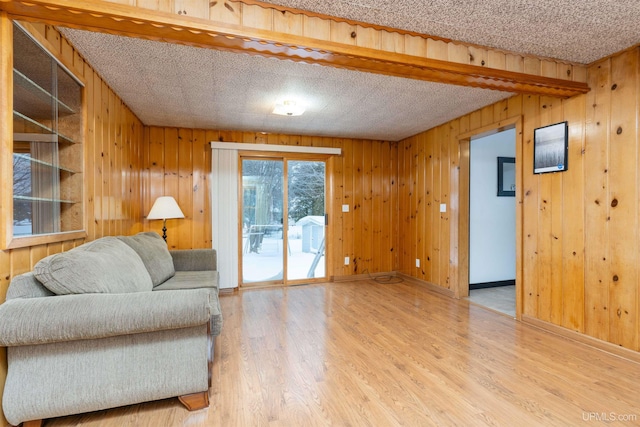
x,y
177,162
262,16
111,174
580,230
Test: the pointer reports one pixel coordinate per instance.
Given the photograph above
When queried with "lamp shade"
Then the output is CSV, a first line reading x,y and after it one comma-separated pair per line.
x,y
165,207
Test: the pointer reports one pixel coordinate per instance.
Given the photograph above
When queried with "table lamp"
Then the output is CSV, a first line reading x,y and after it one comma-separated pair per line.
x,y
164,208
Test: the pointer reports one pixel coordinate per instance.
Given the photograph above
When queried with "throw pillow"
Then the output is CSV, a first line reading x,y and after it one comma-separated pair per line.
x,y
153,251
106,265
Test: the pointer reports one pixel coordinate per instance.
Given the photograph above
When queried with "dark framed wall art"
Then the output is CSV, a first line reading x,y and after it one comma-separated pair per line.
x,y
551,148
506,176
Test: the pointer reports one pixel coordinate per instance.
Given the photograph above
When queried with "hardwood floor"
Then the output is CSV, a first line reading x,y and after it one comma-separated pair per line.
x,y
500,298
368,354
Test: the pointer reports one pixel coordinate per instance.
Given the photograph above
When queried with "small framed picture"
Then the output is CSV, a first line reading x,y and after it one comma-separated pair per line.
x,y
551,148
506,176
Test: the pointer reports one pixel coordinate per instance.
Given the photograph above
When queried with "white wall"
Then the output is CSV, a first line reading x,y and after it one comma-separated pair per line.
x,y
492,222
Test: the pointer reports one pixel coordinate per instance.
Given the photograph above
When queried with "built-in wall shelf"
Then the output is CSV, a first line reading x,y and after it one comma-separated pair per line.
x,y
44,163
31,98
47,141
43,199
34,131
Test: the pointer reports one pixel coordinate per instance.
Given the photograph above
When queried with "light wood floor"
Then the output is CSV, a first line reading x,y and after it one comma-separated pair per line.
x,y
368,354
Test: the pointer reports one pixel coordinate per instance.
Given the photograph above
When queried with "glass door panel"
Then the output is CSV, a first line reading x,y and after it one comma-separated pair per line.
x,y
283,226
306,209
262,220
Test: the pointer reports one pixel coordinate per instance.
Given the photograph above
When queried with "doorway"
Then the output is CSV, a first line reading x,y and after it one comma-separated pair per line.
x,y
282,220
492,221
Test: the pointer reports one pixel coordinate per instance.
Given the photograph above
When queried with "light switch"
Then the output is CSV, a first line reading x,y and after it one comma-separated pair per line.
x,y
443,207
345,208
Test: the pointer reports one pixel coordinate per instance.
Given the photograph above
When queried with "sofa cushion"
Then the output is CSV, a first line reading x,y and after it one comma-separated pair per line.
x,y
207,279
154,253
106,265
191,280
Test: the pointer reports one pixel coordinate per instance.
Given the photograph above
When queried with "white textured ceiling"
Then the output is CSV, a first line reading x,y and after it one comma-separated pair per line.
x,y
180,86
574,30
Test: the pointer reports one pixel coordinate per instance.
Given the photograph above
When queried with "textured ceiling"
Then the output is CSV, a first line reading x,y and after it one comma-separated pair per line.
x,y
574,30
180,86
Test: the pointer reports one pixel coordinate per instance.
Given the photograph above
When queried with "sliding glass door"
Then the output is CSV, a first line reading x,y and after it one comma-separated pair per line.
x,y
262,220
306,213
282,220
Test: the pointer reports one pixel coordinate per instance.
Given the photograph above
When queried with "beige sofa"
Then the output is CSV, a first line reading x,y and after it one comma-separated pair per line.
x,y
116,321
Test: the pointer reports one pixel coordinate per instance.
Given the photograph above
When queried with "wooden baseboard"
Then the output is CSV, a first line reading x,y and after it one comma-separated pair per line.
x,y
404,277
435,288
608,347
362,276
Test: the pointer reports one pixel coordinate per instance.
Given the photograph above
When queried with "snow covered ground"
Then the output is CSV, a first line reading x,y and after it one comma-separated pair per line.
x,y
268,263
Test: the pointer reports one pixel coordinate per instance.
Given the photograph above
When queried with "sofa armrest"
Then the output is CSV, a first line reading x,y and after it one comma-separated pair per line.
x,y
25,321
194,259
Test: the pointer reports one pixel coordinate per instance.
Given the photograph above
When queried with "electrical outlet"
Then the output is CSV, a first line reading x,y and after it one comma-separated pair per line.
x,y
345,208
418,262
443,207
346,260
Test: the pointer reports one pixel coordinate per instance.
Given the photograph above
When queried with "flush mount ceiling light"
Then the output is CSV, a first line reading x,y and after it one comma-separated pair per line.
x,y
288,108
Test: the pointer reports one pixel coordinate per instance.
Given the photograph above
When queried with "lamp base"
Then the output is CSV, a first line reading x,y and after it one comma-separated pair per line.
x,y
164,229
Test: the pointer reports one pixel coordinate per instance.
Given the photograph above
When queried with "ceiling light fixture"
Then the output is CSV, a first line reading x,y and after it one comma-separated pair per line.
x,y
288,108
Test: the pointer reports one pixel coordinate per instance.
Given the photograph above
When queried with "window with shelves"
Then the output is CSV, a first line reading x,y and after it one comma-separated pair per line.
x,y
47,142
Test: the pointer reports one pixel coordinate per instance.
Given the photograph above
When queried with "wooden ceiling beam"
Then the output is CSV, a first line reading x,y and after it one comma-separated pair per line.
x,y
137,22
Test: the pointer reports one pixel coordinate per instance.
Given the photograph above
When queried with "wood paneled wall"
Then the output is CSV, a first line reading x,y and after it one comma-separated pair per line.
x,y
611,208
112,190
580,231
177,162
